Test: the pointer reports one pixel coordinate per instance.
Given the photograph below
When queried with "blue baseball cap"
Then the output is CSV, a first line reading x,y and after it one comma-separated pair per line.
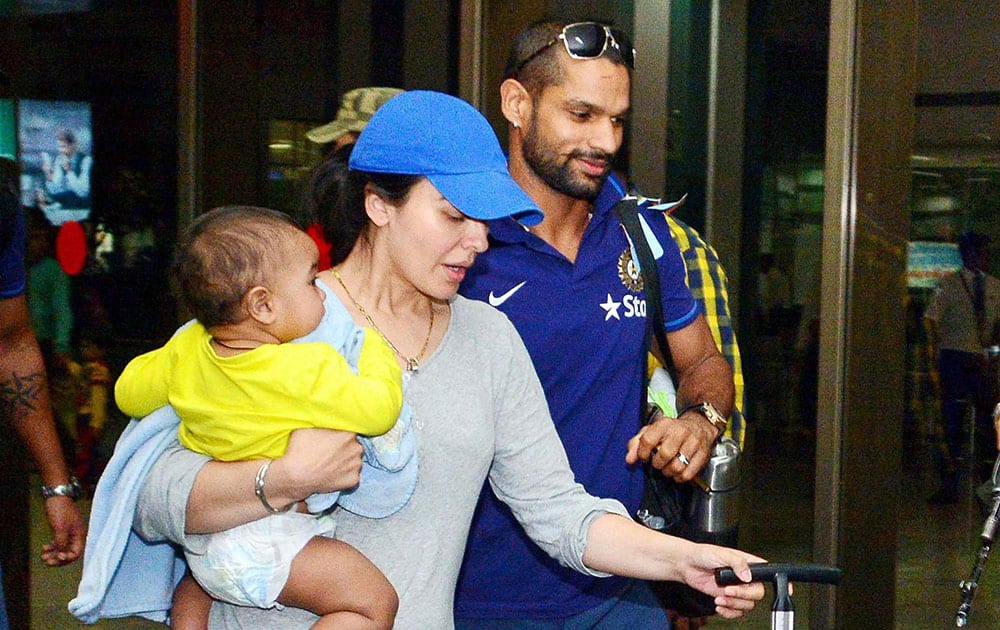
x,y
446,140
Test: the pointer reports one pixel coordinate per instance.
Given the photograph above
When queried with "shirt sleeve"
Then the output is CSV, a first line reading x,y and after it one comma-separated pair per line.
x,y
368,402
709,285
13,276
530,471
679,306
144,383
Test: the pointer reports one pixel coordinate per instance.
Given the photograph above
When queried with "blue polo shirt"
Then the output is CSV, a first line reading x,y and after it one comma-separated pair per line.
x,y
584,328
12,273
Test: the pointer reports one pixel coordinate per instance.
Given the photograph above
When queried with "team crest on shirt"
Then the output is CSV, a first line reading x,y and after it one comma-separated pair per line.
x,y
628,271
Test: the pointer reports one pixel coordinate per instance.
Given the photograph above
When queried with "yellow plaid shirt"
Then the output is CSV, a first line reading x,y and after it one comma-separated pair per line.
x,y
708,283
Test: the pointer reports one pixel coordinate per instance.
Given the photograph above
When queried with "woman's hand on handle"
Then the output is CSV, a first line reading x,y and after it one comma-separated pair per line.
x,y
619,545
730,601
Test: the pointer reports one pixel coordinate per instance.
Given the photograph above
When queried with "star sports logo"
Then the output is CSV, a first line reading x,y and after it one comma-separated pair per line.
x,y
630,305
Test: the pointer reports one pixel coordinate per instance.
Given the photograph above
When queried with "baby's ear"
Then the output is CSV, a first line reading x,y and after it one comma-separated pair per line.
x,y
259,306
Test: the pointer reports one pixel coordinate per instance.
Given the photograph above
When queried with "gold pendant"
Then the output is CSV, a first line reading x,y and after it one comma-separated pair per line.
x,y
628,271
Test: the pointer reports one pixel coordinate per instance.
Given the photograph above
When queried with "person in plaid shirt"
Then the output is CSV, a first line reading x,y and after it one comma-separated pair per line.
x,y
710,287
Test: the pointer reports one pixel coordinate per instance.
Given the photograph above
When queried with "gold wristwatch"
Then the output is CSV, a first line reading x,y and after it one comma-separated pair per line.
x,y
711,414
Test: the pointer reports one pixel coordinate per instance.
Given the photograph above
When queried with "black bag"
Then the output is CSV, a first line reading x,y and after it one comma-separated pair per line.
x,y
669,500
665,503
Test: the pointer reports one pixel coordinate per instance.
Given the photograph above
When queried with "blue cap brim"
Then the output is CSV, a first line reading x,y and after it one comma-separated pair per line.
x,y
487,195
446,140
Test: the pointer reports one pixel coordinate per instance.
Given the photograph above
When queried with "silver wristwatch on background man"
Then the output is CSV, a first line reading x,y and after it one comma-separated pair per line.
x,y
73,490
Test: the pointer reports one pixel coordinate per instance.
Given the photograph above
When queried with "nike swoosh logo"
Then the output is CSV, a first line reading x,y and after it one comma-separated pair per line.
x,y
497,300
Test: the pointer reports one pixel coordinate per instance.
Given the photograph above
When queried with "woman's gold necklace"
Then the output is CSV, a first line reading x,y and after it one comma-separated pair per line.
x,y
412,363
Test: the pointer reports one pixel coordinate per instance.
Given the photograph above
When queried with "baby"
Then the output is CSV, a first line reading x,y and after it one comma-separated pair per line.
x,y
249,276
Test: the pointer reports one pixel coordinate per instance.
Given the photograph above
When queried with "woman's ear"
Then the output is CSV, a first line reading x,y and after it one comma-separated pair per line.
x,y
376,207
259,305
515,102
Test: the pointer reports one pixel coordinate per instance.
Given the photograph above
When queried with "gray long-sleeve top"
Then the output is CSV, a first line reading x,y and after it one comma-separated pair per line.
x,y
479,412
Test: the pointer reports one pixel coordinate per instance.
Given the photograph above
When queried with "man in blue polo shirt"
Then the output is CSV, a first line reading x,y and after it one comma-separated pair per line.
x,y
570,287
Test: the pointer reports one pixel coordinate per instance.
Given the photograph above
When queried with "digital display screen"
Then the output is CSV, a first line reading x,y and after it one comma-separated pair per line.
x,y
56,154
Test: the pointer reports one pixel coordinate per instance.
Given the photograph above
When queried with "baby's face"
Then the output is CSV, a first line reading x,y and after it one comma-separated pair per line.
x,y
298,299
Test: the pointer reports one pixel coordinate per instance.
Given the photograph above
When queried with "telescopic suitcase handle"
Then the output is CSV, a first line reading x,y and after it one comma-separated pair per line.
x,y
768,571
780,574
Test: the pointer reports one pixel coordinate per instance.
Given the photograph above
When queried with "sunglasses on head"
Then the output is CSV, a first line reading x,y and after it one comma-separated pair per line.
x,y
588,40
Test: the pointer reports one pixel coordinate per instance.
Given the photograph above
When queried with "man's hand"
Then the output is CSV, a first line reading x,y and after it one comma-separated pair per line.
x,y
663,441
68,532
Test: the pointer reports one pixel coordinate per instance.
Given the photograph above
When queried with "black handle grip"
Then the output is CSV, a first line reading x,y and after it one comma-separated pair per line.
x,y
765,572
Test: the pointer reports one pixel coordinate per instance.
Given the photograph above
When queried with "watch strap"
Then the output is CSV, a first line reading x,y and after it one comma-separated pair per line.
x,y
711,414
73,490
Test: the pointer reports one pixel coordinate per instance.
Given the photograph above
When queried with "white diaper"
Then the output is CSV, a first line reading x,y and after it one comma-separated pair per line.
x,y
249,565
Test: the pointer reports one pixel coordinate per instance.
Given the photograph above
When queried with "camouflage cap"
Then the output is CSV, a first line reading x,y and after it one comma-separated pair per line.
x,y
356,108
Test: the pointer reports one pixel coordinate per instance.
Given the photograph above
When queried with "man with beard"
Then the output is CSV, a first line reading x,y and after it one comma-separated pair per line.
x,y
571,288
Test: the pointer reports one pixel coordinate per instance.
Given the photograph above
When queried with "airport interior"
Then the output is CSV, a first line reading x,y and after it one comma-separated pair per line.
x,y
832,152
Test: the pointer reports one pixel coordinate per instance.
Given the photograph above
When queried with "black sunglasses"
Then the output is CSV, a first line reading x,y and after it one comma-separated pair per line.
x,y
588,40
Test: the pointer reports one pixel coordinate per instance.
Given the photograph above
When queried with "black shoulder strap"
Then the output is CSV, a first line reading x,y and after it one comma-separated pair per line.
x,y
627,211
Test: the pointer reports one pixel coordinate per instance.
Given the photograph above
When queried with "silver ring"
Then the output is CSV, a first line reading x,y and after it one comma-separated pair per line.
x,y
682,458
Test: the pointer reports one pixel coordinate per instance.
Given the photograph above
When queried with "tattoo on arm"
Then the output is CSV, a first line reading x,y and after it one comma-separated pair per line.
x,y
20,394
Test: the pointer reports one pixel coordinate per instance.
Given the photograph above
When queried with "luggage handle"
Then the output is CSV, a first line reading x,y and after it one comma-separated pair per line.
x,y
768,571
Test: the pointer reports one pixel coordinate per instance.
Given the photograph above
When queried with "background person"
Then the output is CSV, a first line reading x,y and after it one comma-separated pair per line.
x,y
963,318
356,109
566,286
24,396
429,171
774,295
50,306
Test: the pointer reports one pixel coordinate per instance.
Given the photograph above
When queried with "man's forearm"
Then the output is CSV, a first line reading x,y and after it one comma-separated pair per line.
x,y
703,374
710,380
24,403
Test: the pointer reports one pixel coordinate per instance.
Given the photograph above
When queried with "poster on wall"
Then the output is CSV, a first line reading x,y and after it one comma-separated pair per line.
x,y
928,261
56,145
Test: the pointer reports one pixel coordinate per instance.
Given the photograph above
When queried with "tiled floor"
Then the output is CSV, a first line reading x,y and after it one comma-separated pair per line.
x,y
937,547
